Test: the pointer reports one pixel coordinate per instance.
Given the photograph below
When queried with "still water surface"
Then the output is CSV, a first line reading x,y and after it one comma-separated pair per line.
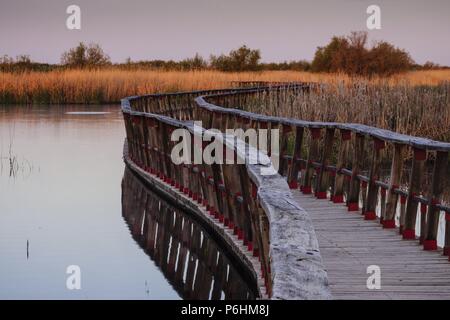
x,y
63,197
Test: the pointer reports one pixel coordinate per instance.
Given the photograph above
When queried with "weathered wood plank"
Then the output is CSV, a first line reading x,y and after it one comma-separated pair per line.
x,y
349,244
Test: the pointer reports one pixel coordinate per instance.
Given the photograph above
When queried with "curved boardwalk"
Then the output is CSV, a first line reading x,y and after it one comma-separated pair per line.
x,y
302,251
349,244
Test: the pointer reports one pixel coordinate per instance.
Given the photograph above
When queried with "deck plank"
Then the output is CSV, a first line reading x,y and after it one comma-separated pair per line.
x,y
349,244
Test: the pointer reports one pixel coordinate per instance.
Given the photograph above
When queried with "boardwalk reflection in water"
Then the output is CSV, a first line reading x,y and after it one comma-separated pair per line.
x,y
191,260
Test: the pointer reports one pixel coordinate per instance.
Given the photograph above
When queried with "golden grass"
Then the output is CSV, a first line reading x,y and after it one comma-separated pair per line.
x,y
110,85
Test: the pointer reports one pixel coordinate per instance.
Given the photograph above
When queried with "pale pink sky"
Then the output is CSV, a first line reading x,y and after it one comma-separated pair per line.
x,y
175,29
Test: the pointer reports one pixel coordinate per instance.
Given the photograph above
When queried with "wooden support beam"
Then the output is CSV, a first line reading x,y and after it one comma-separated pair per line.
x,y
284,139
313,154
372,193
415,184
358,154
295,163
435,196
447,235
323,177
394,183
338,192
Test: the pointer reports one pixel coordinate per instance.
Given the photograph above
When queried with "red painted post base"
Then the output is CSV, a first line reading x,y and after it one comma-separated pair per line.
x,y
293,185
306,190
429,245
388,224
409,234
370,215
338,198
353,206
321,195
446,251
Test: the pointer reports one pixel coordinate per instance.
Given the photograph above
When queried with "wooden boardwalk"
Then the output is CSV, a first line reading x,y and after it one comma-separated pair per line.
x,y
343,157
349,244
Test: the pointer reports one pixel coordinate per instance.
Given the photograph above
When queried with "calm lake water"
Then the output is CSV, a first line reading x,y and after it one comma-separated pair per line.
x,y
63,198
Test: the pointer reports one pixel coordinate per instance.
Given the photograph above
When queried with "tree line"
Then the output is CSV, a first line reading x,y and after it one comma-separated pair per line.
x,y
345,54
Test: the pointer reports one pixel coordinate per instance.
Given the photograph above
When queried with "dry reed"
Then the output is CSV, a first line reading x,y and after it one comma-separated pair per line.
x,y
110,85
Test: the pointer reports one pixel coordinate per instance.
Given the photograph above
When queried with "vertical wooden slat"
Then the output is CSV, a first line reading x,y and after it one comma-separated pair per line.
x,y
415,184
322,181
338,194
284,139
312,156
394,182
435,197
447,235
296,157
358,154
372,193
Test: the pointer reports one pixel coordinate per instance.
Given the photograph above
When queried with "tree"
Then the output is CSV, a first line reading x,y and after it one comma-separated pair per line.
x,y
331,58
241,59
385,59
84,56
195,63
351,55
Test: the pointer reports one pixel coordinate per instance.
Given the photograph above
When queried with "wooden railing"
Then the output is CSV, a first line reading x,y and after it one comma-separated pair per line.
x,y
344,180
236,195
323,158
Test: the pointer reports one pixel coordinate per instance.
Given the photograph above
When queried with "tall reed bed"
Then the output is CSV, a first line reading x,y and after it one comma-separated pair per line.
x,y
420,110
110,85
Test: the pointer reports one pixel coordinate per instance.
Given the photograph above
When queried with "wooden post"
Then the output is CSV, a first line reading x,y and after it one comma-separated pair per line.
x,y
264,148
312,156
382,204
232,187
353,197
435,197
253,212
284,138
423,221
447,235
296,157
395,180
363,195
415,183
221,199
372,194
322,181
338,194
402,214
